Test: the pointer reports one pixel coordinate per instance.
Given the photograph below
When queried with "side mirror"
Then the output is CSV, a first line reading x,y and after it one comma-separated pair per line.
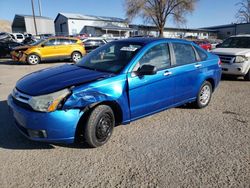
x,y
42,45
147,70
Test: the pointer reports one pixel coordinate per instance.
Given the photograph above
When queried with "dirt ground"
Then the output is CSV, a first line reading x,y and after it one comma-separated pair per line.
x,y
181,147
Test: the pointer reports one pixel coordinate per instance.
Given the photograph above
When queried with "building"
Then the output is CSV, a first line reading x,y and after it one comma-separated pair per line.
x,y
225,31
174,32
25,24
71,24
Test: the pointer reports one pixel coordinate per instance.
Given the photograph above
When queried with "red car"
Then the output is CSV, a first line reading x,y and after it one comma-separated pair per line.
x,y
204,44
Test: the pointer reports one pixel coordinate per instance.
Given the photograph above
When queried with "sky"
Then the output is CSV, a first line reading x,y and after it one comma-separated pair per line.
x,y
206,13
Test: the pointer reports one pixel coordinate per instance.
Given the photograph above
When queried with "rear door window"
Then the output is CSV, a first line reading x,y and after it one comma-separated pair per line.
x,y
184,54
63,41
202,55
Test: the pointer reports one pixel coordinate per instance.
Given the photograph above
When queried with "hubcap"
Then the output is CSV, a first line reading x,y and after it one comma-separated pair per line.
x,y
104,127
33,59
76,57
205,95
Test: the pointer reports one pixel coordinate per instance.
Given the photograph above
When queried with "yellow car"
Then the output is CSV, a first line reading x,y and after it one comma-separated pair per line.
x,y
55,48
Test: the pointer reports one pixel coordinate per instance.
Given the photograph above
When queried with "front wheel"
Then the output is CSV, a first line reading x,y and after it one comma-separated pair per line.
x,y
99,126
76,56
204,95
33,59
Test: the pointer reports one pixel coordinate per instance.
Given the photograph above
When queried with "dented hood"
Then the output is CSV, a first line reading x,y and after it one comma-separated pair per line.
x,y
53,79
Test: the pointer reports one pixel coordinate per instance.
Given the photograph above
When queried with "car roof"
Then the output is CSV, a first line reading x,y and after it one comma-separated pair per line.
x,y
148,40
58,37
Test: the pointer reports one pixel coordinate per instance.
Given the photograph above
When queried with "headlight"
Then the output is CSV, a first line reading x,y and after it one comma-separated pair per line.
x,y
240,59
50,102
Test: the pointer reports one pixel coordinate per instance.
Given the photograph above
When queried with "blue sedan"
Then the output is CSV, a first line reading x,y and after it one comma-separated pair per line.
x,y
115,84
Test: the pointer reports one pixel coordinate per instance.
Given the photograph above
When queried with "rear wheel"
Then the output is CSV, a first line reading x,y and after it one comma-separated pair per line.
x,y
204,95
247,76
99,126
33,59
76,56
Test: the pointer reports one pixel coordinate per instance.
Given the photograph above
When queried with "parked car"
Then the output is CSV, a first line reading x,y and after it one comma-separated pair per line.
x,y
5,36
54,48
203,44
234,53
92,43
6,46
117,83
29,40
19,37
27,35
215,42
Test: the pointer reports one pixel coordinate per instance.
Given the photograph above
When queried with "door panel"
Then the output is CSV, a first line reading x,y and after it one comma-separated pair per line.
x,y
151,93
186,72
49,49
186,79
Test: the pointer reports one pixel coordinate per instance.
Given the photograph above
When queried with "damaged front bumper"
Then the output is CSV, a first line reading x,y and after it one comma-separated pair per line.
x,y
18,56
55,127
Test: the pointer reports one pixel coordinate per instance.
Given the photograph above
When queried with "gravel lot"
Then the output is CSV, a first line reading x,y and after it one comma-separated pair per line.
x,y
181,147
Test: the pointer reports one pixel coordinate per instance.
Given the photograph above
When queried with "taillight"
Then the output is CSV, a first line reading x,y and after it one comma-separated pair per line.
x,y
219,63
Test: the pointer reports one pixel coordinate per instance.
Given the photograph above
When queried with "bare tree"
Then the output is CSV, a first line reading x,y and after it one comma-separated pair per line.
x,y
158,11
243,13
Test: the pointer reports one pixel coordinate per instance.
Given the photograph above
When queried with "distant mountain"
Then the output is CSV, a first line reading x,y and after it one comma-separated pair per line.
x,y
5,26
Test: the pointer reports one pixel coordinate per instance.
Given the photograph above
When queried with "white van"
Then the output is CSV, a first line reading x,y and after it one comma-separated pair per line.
x,y
19,37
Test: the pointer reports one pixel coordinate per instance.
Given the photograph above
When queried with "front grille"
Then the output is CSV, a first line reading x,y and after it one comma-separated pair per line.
x,y
227,58
21,104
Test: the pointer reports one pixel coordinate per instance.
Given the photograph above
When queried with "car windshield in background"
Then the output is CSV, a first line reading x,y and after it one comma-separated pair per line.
x,y
112,57
37,42
236,42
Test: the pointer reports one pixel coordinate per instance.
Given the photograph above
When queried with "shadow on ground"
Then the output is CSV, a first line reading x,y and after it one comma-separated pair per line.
x,y
231,78
11,138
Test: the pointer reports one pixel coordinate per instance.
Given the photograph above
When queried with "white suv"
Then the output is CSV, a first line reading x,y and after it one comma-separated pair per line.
x,y
234,53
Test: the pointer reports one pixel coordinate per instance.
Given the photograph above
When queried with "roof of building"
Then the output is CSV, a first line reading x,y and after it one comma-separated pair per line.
x,y
89,17
31,16
112,27
225,26
173,28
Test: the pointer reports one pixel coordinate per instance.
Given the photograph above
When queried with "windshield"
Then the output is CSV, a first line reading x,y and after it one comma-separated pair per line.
x,y
37,42
236,42
112,57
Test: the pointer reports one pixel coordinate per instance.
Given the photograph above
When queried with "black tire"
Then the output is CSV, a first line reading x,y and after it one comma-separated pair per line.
x,y
247,76
203,101
76,56
33,59
99,126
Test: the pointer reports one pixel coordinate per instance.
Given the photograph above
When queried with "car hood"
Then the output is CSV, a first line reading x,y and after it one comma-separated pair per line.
x,y
232,51
53,79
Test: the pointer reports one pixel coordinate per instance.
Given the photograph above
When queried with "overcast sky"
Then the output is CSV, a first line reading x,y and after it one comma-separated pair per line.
x,y
207,12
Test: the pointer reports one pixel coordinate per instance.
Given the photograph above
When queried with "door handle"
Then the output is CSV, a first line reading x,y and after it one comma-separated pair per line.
x,y
167,73
197,65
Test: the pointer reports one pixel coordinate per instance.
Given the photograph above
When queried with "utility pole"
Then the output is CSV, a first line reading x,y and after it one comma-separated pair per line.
x,y
34,17
40,7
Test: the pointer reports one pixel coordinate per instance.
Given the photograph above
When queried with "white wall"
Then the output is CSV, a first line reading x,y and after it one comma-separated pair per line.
x,y
44,26
77,26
